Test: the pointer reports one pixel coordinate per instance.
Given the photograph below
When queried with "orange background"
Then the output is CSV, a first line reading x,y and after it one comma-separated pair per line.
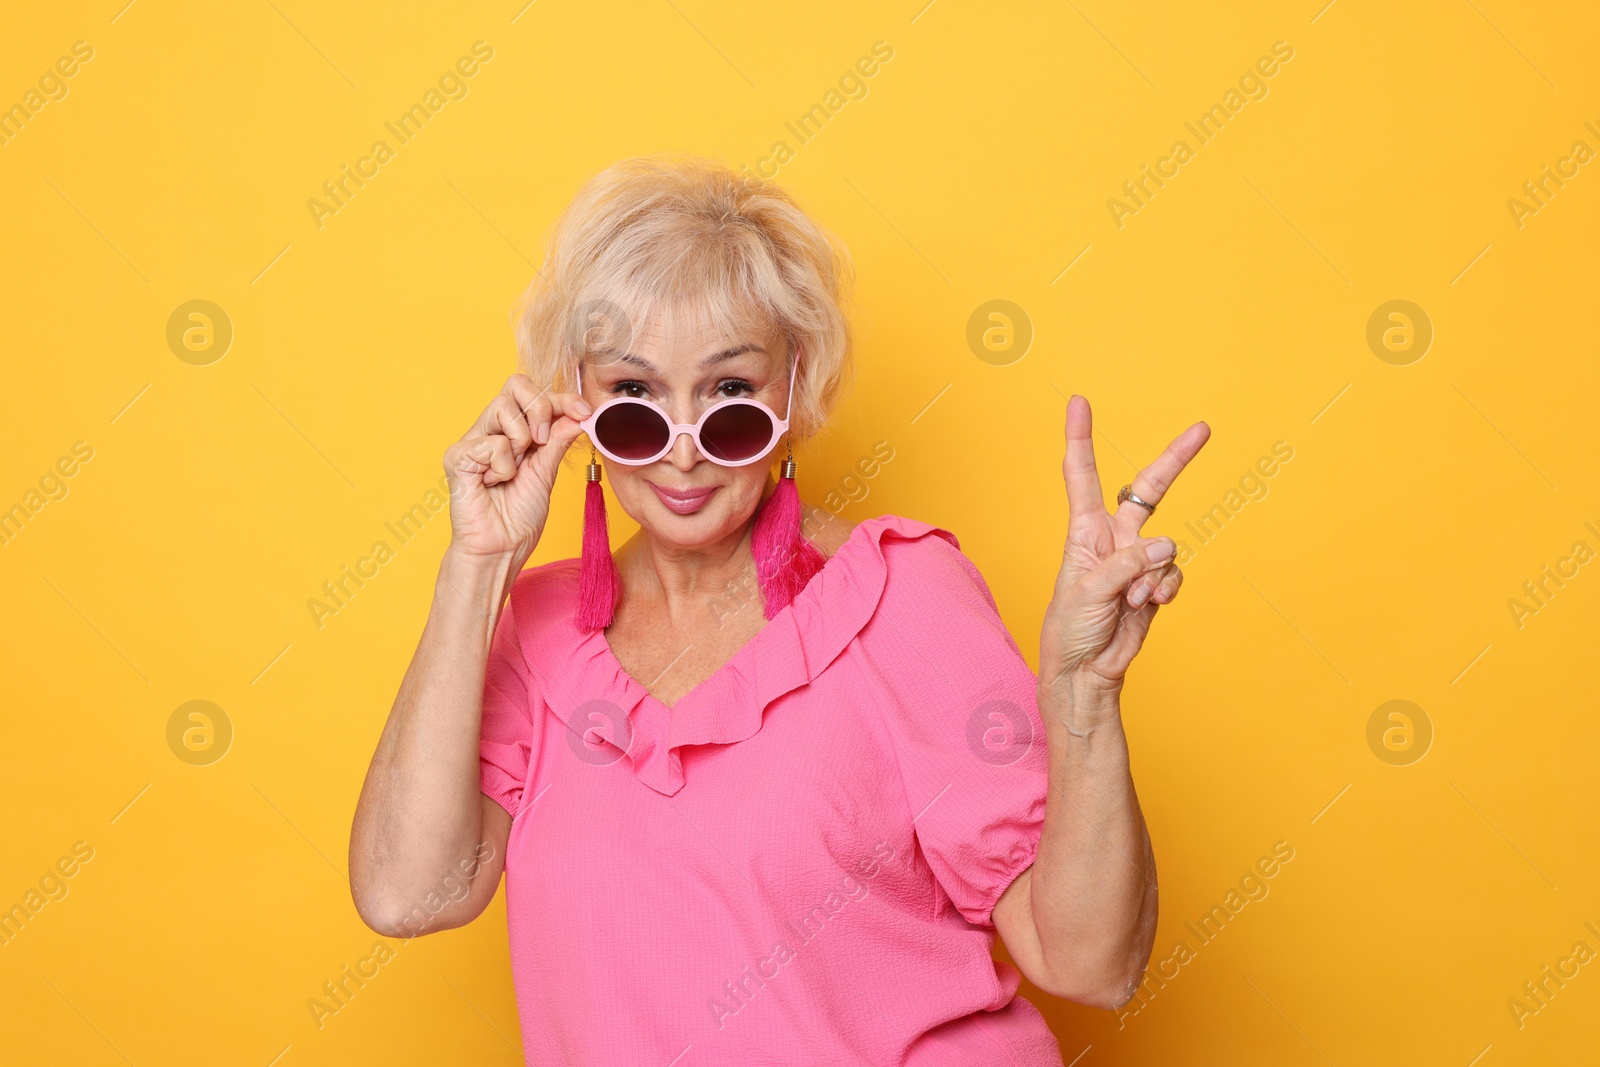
x,y
1424,489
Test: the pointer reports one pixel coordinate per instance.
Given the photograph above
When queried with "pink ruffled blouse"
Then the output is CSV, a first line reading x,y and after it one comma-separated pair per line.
x,y
796,862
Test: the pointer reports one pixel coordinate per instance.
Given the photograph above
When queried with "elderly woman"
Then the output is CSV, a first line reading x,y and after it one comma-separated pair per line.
x,y
764,786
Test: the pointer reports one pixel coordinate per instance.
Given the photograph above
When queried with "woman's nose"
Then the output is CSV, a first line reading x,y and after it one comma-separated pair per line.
x,y
684,454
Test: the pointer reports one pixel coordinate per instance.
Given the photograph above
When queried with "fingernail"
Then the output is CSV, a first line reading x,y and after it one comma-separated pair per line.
x,y
583,409
1140,595
1158,550
543,433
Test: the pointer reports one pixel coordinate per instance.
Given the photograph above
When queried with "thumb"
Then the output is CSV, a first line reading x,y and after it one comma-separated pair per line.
x,y
563,432
1112,577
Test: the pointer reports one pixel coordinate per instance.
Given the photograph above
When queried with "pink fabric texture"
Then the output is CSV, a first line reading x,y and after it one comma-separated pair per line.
x,y
796,862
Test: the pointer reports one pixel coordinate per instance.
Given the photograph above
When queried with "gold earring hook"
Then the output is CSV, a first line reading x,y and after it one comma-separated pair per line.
x,y
789,467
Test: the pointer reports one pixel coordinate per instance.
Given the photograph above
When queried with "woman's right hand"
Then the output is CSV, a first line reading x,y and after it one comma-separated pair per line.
x,y
502,470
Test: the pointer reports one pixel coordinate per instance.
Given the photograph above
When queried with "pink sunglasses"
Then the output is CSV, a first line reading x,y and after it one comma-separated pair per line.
x,y
634,431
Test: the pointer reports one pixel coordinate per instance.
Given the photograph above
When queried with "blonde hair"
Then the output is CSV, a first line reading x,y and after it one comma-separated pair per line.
x,y
698,243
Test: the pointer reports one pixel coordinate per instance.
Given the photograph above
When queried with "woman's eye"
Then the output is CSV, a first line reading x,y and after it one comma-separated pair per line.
x,y
633,389
735,387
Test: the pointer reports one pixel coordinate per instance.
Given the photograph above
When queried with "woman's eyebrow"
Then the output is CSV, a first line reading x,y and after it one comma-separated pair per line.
x,y
637,361
729,353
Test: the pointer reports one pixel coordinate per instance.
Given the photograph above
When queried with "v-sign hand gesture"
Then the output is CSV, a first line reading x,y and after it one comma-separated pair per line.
x,y
1112,580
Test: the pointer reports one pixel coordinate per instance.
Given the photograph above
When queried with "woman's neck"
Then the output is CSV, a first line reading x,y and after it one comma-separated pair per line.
x,y
684,580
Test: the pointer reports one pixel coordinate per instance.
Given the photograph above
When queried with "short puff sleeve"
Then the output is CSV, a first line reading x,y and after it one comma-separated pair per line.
x,y
507,736
961,709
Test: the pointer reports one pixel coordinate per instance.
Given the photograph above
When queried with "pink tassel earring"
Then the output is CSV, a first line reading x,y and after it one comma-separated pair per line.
x,y
599,586
785,560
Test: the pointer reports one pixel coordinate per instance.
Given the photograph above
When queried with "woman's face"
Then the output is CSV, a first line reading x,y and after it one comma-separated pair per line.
x,y
684,500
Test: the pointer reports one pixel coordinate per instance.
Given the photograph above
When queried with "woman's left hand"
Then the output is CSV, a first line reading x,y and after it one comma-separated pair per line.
x,y
1112,579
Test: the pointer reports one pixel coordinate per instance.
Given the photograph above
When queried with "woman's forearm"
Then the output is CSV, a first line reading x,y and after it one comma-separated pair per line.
x,y
1093,890
420,814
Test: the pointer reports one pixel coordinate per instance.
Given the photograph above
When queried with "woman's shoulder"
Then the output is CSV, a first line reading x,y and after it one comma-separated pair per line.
x,y
542,599
894,535
935,612
829,532
547,579
903,561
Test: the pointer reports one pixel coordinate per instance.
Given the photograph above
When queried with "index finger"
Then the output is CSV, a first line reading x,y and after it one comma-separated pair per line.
x,y
1083,480
1152,483
542,406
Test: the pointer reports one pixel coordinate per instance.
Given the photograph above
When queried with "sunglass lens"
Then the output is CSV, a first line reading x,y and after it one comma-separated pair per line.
x,y
631,431
735,432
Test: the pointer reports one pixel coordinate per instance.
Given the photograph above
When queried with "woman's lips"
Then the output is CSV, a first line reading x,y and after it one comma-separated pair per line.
x,y
684,501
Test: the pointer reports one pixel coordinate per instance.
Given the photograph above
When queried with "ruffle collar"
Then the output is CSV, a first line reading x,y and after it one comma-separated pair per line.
x,y
794,647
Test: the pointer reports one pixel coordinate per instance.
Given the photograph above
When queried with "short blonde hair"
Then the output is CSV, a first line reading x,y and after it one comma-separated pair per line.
x,y
699,243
